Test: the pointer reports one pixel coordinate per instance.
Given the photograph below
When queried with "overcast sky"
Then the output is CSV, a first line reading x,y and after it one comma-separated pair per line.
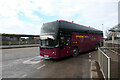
x,y
27,16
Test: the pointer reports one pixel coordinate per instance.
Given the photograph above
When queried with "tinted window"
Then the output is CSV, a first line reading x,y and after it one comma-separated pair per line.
x,y
49,29
48,42
67,41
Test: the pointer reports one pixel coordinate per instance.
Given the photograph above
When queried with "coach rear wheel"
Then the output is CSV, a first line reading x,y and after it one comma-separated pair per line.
x,y
75,52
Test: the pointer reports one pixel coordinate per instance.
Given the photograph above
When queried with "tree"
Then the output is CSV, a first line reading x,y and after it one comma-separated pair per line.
x,y
108,35
115,29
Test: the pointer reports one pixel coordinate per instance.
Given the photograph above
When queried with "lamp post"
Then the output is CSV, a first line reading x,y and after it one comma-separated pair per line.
x,y
102,30
102,27
113,36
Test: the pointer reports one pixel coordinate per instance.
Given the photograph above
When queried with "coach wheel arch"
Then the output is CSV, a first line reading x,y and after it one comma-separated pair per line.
x,y
75,52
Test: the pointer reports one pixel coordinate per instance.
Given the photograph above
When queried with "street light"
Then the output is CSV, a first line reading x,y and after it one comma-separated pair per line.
x,y
102,30
102,27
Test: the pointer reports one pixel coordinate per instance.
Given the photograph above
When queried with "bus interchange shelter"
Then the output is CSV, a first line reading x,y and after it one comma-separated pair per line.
x,y
115,31
19,39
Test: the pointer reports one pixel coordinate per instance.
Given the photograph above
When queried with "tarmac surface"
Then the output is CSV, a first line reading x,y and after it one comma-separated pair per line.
x,y
26,63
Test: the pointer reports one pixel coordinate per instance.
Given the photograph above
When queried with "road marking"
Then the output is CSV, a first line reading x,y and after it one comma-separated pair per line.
x,y
41,66
32,58
32,62
29,61
24,76
89,60
89,56
91,70
89,53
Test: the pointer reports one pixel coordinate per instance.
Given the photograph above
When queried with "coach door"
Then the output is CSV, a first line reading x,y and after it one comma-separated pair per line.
x,y
62,46
67,45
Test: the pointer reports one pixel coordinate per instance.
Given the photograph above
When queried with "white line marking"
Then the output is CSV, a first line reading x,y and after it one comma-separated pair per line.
x,y
32,62
28,60
89,56
24,75
41,66
32,58
89,53
89,60
91,69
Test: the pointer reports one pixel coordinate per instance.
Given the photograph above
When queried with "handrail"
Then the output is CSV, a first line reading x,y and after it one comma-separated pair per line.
x,y
106,74
103,53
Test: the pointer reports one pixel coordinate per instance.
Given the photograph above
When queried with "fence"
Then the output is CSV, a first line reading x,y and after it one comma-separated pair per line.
x,y
20,42
19,39
105,63
113,46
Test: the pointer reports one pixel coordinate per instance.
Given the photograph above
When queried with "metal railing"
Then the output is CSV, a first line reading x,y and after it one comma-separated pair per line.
x,y
20,42
113,46
105,63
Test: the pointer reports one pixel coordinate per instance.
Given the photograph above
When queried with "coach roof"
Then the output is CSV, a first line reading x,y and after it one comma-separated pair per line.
x,y
73,27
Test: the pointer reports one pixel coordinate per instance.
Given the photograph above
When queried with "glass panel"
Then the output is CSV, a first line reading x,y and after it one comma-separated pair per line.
x,y
49,30
48,42
67,41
